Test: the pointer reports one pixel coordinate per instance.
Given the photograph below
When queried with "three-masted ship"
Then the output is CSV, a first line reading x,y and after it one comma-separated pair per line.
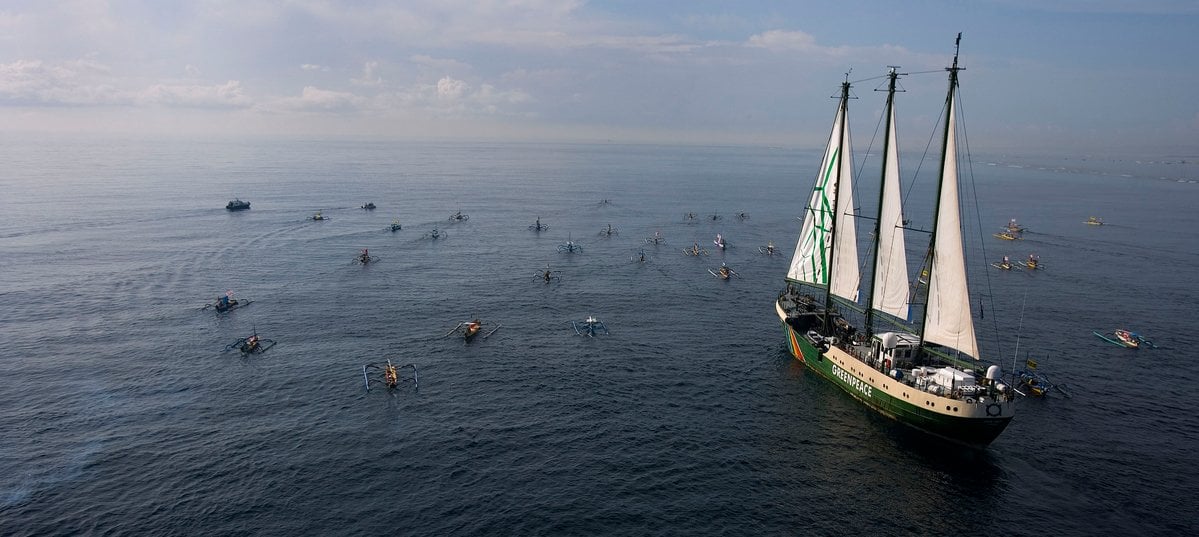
x,y
925,375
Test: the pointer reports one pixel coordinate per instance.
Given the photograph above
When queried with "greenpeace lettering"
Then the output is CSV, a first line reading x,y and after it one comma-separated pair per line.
x,y
852,381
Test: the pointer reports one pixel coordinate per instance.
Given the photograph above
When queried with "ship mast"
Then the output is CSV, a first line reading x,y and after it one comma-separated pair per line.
x,y
887,141
834,228
953,84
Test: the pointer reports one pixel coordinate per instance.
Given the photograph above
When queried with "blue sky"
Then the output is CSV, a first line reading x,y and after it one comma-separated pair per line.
x,y
1088,77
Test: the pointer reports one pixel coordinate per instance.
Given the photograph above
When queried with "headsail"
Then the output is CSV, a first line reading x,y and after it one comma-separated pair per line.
x,y
815,253
947,317
890,292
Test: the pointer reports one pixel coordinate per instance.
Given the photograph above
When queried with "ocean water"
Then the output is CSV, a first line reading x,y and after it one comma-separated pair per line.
x,y
123,412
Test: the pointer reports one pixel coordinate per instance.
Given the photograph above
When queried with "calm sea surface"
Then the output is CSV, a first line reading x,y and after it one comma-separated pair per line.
x,y
121,412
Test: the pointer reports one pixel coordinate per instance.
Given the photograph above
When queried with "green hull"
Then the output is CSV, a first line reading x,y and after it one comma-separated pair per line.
x,y
968,421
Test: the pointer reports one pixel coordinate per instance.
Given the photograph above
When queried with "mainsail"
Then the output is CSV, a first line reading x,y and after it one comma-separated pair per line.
x,y
816,254
890,292
947,317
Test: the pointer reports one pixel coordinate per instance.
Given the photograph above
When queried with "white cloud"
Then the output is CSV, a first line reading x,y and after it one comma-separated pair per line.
x,y
450,89
227,95
314,67
78,82
314,99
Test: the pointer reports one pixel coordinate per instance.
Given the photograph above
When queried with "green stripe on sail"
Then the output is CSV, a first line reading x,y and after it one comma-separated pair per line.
x,y
821,225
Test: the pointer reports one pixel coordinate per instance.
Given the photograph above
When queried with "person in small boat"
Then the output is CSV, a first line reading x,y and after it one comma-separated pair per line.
x,y
695,249
251,343
390,376
724,272
642,258
770,247
547,276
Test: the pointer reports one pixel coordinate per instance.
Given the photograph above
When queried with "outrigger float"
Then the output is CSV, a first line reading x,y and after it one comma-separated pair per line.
x,y
1125,338
251,344
227,303
589,327
470,329
388,375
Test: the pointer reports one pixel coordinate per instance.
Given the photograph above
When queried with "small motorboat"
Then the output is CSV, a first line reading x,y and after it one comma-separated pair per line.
x,y
1092,221
368,206
318,217
395,226
237,205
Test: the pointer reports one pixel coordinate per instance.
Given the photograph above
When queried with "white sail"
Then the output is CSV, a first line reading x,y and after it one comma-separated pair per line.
x,y
815,252
891,269
947,319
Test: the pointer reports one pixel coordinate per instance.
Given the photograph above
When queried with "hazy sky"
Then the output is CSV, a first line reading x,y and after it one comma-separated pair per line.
x,y
1085,76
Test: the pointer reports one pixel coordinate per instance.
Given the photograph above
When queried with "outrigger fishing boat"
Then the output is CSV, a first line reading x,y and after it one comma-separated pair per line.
x,y
434,235
656,239
1013,227
1032,263
609,231
569,247
1092,221
1007,236
640,257
689,216
388,375
589,327
366,258
459,217
714,216
719,242
1125,338
395,226
925,376
251,344
724,272
470,329
226,302
237,205
769,249
548,276
695,250
742,216
368,206
1005,264
538,226
318,217
1032,383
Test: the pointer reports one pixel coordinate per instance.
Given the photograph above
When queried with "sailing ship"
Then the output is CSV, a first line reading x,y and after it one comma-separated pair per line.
x,y
923,377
